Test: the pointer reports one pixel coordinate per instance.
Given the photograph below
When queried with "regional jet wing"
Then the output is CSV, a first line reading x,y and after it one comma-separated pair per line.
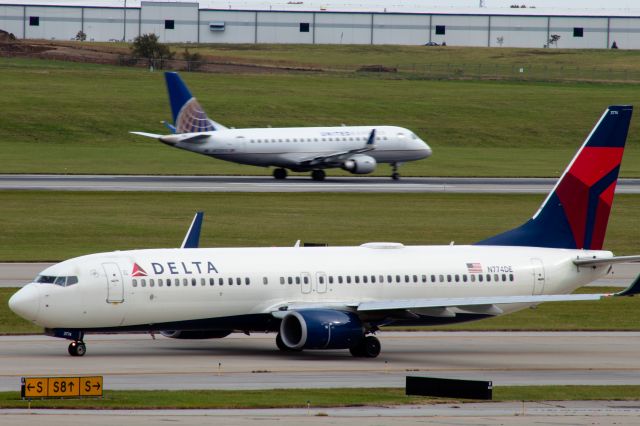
x,y
175,138
340,155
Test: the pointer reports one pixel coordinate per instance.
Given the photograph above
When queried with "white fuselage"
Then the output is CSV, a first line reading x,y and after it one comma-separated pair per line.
x,y
196,284
287,147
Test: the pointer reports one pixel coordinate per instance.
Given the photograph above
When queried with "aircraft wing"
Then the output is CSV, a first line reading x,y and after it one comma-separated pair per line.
x,y
176,138
340,155
439,306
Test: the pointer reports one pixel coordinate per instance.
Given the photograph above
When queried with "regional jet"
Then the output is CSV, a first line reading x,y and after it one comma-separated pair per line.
x,y
356,149
322,298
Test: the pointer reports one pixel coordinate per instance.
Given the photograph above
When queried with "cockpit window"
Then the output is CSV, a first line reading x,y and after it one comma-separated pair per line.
x,y
61,281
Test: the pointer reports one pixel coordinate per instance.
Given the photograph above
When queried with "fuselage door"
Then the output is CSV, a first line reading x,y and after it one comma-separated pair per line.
x,y
115,286
538,276
321,282
306,282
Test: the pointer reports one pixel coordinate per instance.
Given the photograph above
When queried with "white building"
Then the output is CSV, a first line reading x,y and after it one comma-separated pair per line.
x,y
295,22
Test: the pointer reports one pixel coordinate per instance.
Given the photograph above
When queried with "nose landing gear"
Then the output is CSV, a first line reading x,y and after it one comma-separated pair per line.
x,y
77,348
395,175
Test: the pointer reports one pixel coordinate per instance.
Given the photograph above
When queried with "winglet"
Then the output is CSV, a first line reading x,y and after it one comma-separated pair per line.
x,y
192,239
633,289
372,138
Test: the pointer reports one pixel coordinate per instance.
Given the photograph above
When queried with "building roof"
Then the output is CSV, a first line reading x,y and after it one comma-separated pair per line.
x,y
463,7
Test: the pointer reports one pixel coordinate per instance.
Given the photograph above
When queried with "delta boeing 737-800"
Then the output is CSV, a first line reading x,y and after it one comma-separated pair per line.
x,y
357,149
338,297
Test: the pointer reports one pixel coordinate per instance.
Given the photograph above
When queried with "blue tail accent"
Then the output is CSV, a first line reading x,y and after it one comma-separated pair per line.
x,y
192,239
576,212
179,94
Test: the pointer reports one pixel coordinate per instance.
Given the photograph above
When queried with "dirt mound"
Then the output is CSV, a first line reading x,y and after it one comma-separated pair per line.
x,y
6,37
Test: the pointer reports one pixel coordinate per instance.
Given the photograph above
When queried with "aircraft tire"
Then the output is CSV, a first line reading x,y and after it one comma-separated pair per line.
x,y
280,173
318,175
368,347
395,176
77,349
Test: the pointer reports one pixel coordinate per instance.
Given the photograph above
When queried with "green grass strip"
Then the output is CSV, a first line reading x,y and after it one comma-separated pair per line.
x,y
314,398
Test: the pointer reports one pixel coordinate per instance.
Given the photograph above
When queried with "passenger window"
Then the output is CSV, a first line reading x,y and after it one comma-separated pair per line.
x,y
193,282
407,279
496,277
480,278
151,283
203,281
305,279
185,282
357,279
433,278
230,281
415,278
143,283
281,280
398,278
290,280
159,282
389,279
265,280
464,278
473,278
488,278
510,277
246,281
220,281
381,279
504,277
298,280
212,281
448,278
134,283
441,278
168,282
238,281
339,279
373,279
348,279
330,279
457,278
424,278
320,279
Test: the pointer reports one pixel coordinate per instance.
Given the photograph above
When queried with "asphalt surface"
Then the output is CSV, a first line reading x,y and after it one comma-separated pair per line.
x,y
502,413
253,362
292,184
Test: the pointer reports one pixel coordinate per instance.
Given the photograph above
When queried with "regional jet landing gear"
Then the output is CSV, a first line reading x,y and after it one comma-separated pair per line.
x,y
318,175
77,348
394,171
280,173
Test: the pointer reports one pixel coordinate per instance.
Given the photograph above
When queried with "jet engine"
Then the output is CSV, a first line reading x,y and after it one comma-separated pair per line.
x,y
321,329
360,164
195,334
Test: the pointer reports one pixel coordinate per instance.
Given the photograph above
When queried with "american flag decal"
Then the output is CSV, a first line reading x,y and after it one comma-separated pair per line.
x,y
474,268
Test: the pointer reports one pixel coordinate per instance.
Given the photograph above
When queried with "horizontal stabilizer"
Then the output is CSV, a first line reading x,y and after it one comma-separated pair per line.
x,y
147,135
605,261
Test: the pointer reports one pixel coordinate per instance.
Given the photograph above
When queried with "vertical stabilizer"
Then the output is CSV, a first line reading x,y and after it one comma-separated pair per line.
x,y
188,115
576,212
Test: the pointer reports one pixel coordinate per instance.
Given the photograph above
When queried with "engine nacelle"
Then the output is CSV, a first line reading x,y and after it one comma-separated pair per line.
x,y
195,334
360,164
321,329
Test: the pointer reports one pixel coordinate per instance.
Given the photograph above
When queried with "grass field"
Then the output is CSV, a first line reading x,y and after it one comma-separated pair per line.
x,y
58,225
311,398
63,117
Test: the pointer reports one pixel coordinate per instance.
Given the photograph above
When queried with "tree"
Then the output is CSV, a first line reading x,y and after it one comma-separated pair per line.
x,y
554,39
193,59
147,46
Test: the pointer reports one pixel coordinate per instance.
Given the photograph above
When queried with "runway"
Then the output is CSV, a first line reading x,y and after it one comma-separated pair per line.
x,y
292,184
253,362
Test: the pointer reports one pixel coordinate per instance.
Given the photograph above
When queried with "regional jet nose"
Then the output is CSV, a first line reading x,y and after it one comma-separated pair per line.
x,y
26,302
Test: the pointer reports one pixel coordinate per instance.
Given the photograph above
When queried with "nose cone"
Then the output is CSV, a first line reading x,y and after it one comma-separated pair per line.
x,y
424,150
26,302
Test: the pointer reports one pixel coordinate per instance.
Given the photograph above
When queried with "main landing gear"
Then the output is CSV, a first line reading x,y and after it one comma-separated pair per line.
x,y
369,347
395,175
318,175
280,174
77,348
